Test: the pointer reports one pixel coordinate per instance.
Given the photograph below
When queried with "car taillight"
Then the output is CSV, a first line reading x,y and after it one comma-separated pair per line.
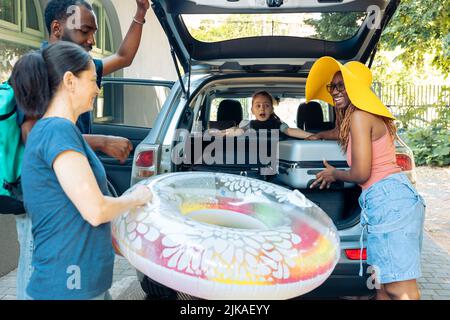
x,y
354,254
145,158
404,161
145,164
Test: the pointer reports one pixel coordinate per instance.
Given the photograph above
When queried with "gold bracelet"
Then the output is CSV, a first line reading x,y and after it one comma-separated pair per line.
x,y
138,22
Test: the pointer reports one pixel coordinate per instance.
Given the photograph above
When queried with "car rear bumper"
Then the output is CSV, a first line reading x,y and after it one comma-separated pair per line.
x,y
344,281
341,286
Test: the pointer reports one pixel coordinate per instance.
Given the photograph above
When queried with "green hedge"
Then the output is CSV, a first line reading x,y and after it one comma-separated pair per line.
x,y
430,145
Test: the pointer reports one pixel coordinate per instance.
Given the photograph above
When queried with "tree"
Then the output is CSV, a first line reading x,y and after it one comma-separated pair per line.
x,y
235,26
336,26
9,54
421,27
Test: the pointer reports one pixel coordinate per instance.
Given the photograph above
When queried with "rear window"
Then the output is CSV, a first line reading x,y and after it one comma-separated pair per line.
x,y
333,26
285,108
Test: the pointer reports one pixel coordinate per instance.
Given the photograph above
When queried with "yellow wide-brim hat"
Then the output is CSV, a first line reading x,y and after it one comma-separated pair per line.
x,y
357,79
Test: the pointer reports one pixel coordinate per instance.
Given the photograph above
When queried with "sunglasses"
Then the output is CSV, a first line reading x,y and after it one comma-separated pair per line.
x,y
338,86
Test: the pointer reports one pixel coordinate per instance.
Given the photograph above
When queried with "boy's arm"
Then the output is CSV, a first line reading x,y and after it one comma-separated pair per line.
x,y
297,133
332,134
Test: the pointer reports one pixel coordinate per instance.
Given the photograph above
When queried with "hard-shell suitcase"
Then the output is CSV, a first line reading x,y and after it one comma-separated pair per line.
x,y
301,160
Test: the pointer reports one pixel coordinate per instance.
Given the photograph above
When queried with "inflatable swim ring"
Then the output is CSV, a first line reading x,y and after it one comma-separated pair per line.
x,y
222,236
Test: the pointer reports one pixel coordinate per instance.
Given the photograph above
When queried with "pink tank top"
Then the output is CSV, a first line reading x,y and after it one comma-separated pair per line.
x,y
384,162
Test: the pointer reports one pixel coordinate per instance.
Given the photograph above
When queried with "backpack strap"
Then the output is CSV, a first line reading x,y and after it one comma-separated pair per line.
x,y
7,100
6,116
9,205
14,188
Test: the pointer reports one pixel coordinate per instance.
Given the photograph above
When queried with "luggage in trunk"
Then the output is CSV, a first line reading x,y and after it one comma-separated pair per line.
x,y
251,156
301,160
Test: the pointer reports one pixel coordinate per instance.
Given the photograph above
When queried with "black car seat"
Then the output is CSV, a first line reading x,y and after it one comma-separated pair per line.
x,y
229,114
310,116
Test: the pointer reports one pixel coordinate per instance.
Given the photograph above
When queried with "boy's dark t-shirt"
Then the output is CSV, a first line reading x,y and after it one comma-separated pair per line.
x,y
71,259
84,122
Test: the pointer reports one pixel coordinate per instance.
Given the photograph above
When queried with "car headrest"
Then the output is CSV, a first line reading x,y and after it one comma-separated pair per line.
x,y
230,110
310,116
222,125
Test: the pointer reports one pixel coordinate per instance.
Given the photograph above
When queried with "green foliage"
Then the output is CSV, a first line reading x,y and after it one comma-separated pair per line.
x,y
9,53
328,26
236,26
430,145
421,27
384,73
336,26
443,111
8,10
412,107
412,117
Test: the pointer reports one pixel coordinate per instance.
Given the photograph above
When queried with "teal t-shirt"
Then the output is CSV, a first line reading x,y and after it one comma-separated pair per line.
x,y
72,259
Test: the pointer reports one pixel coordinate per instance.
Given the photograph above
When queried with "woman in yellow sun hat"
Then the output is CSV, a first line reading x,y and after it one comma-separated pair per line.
x,y
392,211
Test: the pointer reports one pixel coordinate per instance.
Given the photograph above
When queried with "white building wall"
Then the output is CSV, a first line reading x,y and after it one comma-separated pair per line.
x,y
153,60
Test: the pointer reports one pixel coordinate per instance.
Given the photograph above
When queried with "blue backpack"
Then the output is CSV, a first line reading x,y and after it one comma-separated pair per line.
x,y
11,148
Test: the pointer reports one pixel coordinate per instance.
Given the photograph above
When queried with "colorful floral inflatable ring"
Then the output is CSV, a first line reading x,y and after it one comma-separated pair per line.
x,y
221,236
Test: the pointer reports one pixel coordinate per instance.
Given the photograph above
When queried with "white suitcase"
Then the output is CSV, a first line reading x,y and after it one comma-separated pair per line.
x,y
301,160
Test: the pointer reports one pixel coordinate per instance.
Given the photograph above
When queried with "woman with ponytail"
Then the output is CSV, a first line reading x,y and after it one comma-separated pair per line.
x,y
392,211
64,183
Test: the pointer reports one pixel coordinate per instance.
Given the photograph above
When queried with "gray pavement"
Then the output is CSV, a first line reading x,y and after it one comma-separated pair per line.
x,y
432,183
434,284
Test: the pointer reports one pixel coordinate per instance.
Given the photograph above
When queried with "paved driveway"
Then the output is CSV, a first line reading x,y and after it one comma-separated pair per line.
x,y
434,185
434,285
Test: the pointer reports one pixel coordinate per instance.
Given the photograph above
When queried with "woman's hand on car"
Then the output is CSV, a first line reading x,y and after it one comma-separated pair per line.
x,y
325,178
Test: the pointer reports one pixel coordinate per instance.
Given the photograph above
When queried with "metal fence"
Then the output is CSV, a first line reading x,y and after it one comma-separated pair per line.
x,y
417,105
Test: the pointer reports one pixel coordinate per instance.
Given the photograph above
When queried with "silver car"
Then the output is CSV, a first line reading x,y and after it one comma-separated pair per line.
x,y
225,51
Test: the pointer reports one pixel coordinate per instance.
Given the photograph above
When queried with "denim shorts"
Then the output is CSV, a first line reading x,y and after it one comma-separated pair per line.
x,y
393,214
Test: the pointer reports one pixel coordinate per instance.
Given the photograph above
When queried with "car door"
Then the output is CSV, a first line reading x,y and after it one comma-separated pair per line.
x,y
126,108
